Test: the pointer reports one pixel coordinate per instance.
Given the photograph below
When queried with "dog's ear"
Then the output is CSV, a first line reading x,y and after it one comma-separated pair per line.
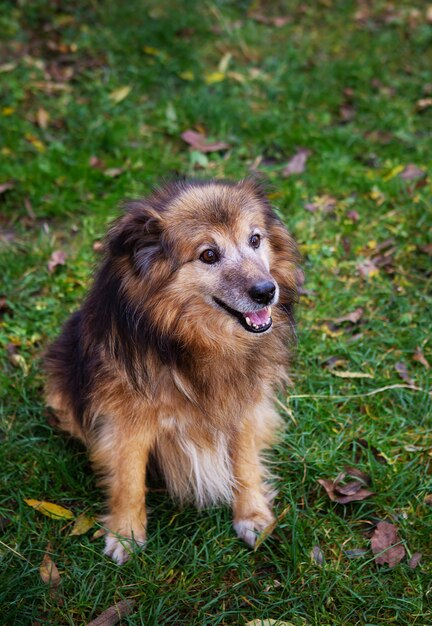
x,y
137,234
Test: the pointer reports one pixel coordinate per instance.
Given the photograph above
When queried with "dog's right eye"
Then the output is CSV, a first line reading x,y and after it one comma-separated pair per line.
x,y
209,257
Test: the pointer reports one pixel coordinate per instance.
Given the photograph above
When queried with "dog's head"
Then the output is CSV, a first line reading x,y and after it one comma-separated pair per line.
x,y
207,257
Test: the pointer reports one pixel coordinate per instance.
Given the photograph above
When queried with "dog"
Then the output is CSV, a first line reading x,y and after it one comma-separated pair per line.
x,y
176,354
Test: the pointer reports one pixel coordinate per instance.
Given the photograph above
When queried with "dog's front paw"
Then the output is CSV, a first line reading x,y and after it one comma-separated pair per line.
x,y
120,548
250,527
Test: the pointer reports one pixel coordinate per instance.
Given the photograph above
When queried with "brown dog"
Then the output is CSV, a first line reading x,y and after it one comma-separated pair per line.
x,y
176,353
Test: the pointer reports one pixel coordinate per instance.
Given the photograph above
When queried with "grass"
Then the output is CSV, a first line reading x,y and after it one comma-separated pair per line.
x,y
341,80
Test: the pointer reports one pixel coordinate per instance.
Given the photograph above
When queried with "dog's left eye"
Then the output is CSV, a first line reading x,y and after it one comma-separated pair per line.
x,y
209,257
255,241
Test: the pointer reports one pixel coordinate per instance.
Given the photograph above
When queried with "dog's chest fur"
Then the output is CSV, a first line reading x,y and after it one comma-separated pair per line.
x,y
195,463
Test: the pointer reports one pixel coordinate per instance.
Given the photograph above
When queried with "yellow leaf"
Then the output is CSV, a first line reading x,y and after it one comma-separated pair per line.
x,y
6,111
351,374
214,77
120,94
150,50
50,509
35,142
187,75
83,523
394,172
377,195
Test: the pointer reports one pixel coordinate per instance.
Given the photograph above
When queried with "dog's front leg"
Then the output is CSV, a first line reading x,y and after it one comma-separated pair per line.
x,y
120,455
252,513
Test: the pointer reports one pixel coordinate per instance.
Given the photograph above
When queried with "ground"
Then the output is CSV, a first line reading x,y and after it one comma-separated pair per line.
x,y
95,98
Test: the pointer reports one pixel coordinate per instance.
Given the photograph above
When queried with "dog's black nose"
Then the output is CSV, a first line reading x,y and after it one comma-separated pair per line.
x,y
263,291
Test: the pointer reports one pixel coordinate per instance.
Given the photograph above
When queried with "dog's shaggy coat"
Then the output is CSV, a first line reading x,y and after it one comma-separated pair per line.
x,y
174,357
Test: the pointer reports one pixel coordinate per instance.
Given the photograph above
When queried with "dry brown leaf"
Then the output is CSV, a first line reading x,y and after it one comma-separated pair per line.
x,y
420,358
58,257
412,172
345,492
114,614
42,118
270,528
414,560
353,317
113,172
6,186
353,215
385,543
297,164
367,268
424,103
278,21
198,141
48,571
317,555
97,163
402,370
428,500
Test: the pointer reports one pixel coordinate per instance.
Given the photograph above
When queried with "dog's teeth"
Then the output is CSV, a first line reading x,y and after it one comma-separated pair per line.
x,y
269,311
248,322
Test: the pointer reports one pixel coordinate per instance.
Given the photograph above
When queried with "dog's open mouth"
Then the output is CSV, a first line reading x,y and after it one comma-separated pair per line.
x,y
252,321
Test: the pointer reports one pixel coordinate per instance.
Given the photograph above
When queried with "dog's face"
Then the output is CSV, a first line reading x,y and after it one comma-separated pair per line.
x,y
208,252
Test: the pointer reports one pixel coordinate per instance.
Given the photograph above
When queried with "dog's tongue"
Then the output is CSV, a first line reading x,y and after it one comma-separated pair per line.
x,y
258,317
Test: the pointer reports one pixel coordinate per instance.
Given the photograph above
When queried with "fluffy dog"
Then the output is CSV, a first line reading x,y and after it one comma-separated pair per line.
x,y
174,357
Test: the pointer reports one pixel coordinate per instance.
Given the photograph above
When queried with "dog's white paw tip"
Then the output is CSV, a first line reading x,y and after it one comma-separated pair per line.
x,y
245,529
120,549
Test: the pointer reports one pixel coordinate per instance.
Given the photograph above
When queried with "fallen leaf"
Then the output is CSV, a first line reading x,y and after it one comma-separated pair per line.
x,y
48,572
412,172
355,553
345,492
317,555
16,359
428,500
424,103
35,142
49,509
420,358
351,374
415,560
214,77
114,614
297,164
325,203
113,172
42,118
58,257
332,362
353,317
427,249
277,20
402,370
367,268
6,186
353,215
96,162
199,142
82,524
120,94
386,545
268,622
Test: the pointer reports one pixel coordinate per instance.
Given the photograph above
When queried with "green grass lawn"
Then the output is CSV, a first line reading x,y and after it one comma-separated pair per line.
x,y
95,97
